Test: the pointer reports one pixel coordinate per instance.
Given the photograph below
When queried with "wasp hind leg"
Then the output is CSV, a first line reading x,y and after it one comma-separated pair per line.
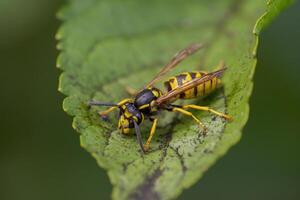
x,y
208,109
182,111
153,129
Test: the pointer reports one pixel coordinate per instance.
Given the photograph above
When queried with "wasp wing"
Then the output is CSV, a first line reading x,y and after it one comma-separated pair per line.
x,y
177,58
188,85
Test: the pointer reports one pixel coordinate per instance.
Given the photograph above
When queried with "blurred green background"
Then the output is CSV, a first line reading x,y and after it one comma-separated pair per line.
x,y
40,156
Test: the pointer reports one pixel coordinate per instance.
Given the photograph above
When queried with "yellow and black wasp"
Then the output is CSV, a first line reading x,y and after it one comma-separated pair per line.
x,y
149,101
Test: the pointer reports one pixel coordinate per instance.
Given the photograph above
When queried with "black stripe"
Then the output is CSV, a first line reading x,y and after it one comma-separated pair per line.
x,y
193,75
182,95
180,79
168,86
195,91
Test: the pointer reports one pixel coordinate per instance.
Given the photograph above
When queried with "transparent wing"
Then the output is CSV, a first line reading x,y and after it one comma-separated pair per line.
x,y
180,56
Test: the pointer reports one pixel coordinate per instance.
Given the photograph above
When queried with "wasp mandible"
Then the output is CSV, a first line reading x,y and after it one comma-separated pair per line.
x,y
147,103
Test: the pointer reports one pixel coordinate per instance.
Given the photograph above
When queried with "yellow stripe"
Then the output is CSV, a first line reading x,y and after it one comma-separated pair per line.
x,y
213,85
155,93
127,114
173,82
207,87
200,90
199,87
144,106
219,83
189,93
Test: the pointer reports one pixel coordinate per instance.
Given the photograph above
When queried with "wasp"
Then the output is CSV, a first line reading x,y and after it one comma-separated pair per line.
x,y
149,101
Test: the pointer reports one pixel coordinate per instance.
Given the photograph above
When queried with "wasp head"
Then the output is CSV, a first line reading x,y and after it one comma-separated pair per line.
x,y
128,113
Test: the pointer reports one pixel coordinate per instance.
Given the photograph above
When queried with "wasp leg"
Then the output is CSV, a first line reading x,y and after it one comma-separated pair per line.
x,y
189,114
131,91
205,108
153,128
105,112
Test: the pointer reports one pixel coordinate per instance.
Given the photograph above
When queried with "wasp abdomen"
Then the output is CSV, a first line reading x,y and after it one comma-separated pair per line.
x,y
200,90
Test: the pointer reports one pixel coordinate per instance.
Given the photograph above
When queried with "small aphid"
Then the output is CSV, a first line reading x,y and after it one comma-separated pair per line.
x,y
150,100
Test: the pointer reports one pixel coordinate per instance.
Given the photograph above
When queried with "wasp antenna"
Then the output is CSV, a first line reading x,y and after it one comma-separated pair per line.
x,y
98,103
138,135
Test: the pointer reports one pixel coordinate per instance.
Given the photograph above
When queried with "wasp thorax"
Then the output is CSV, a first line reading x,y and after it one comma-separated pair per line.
x,y
144,100
128,113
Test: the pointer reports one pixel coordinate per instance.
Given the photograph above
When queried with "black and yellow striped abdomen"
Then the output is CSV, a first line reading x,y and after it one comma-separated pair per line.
x,y
201,90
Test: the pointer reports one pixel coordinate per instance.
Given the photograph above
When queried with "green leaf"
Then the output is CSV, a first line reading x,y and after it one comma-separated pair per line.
x,y
110,44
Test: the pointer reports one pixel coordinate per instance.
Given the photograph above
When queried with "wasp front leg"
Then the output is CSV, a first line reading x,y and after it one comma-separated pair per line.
x,y
104,113
153,129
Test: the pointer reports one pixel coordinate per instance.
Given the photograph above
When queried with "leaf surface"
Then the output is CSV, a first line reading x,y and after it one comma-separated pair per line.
x,y
110,44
